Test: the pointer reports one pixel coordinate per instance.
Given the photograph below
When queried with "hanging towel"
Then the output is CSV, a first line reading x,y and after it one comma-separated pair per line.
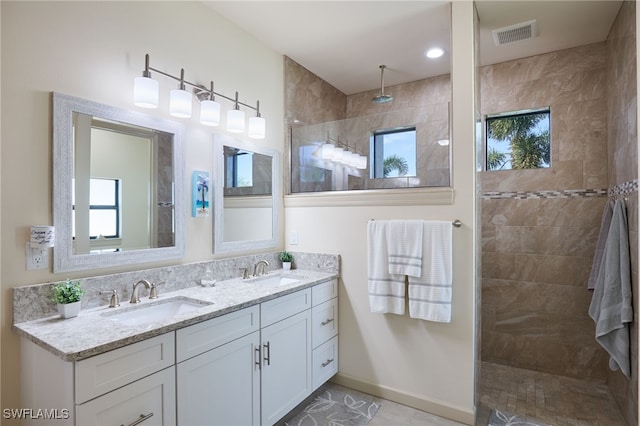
x,y
386,291
430,295
404,245
602,238
611,302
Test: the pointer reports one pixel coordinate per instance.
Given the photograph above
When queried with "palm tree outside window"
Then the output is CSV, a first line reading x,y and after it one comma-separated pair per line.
x,y
518,140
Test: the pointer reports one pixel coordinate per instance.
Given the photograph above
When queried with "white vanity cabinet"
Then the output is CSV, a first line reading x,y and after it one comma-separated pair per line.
x,y
286,354
218,370
131,385
247,367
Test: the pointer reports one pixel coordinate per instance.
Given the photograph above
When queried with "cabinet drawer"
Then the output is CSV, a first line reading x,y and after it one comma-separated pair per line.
x,y
325,291
152,399
102,373
324,321
284,307
199,338
325,362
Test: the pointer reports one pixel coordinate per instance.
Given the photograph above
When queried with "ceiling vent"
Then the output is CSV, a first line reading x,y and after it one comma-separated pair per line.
x,y
514,33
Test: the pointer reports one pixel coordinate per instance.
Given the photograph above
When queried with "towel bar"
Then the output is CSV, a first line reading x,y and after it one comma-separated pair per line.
x,y
456,223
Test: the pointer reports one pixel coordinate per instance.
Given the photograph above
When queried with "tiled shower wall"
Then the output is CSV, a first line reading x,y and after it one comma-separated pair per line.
x,y
623,168
540,226
315,109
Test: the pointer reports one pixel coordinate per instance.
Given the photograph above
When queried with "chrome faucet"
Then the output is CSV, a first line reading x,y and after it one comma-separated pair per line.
x,y
258,268
136,288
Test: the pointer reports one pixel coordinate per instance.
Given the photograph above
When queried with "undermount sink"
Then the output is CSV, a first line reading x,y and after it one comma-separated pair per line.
x,y
155,312
273,280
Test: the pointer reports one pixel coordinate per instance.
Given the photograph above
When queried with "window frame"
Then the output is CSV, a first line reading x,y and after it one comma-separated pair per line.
x,y
376,151
511,114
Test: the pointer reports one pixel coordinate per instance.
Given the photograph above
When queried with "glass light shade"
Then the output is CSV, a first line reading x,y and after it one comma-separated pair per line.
x,y
180,103
257,127
337,154
327,151
354,160
210,113
346,157
145,92
235,121
362,162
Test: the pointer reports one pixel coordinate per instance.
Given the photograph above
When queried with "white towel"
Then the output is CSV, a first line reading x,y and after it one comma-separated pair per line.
x,y
611,303
404,245
386,291
430,295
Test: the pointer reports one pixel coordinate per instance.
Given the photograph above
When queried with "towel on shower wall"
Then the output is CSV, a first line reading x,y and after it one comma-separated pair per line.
x,y
611,302
602,238
404,246
430,295
386,291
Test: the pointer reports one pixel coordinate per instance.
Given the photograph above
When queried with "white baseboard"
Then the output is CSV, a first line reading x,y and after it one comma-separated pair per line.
x,y
414,401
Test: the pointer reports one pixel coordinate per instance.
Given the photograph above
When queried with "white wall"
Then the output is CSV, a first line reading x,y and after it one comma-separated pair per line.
x,y
93,50
425,364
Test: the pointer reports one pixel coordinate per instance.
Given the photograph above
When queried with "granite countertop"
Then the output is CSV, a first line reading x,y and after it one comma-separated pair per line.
x,y
93,331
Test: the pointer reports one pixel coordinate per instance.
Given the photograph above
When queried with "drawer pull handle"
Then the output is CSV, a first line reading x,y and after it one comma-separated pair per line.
x,y
327,362
327,321
256,358
141,419
267,353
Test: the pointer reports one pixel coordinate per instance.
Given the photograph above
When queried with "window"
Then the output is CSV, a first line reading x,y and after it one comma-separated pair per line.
x,y
104,208
519,140
393,153
239,168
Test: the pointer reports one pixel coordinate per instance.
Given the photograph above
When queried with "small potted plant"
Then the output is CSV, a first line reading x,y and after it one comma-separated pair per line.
x,y
67,296
286,259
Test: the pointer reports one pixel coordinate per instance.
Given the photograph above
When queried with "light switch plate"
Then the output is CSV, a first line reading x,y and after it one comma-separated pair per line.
x,y
293,238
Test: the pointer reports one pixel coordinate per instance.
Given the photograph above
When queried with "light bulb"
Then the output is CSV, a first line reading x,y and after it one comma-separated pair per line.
x,y
180,103
235,121
327,151
145,92
210,113
257,128
337,154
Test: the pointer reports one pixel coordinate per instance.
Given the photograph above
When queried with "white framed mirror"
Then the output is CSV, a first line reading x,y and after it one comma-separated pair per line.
x,y
118,185
246,195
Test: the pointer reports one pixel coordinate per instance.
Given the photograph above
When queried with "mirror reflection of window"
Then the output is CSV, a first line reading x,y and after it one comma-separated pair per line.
x,y
239,169
394,153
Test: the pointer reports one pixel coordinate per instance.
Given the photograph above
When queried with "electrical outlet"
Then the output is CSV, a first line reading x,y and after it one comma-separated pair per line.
x,y
293,238
37,258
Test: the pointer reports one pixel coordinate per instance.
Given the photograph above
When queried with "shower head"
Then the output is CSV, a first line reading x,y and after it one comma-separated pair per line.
x,y
382,98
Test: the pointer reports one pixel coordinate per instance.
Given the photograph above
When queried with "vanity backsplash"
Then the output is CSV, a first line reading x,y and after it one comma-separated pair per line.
x,y
34,301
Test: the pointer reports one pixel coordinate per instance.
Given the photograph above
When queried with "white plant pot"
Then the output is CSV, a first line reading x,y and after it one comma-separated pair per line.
x,y
69,310
286,266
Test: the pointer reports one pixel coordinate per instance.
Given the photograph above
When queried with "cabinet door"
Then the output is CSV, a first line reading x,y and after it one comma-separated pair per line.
x,y
221,386
286,366
147,402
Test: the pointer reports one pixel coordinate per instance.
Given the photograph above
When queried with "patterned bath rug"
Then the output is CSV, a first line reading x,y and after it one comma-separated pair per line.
x,y
337,406
502,418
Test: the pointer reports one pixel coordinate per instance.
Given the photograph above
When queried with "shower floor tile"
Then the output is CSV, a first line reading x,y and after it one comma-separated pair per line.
x,y
556,400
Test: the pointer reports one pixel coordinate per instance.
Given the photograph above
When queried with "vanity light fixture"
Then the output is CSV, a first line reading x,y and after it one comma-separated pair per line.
x,y
145,95
339,153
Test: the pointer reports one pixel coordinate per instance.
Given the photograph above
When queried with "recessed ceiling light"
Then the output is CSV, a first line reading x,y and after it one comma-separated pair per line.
x,y
434,52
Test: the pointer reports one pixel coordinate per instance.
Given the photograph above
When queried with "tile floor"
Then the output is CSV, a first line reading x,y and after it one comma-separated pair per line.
x,y
556,400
